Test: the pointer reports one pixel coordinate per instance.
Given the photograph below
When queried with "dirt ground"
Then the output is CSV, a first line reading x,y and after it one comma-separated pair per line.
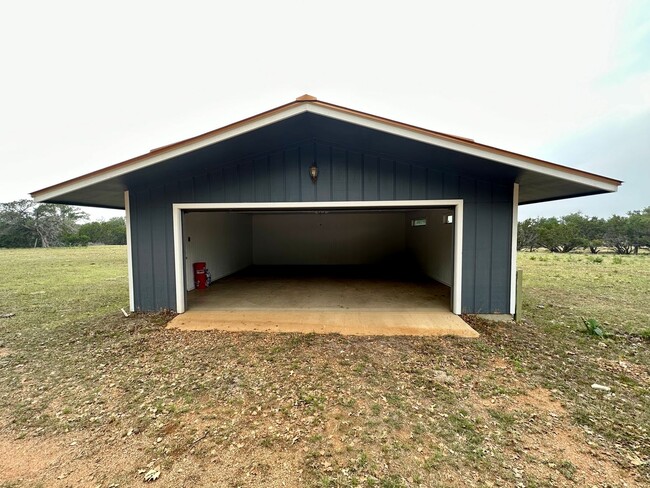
x,y
240,409
91,398
82,459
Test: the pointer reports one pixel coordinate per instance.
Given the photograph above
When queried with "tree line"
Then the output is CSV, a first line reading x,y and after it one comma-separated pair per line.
x,y
625,234
25,223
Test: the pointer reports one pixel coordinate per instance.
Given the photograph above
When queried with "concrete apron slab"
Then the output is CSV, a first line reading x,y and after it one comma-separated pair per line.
x,y
346,322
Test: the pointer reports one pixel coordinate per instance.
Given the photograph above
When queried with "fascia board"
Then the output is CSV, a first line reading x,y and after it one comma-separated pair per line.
x,y
344,115
172,152
472,149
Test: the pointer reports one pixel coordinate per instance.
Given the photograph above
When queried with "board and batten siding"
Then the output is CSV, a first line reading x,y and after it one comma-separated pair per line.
x,y
344,175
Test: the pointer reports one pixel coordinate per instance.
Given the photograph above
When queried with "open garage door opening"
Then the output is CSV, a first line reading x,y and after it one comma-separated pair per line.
x,y
382,263
321,259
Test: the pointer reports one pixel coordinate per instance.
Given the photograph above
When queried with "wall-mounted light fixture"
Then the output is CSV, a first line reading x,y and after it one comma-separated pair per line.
x,y
313,173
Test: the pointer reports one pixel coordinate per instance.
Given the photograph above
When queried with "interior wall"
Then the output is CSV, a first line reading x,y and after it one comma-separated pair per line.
x,y
229,242
327,238
432,244
223,240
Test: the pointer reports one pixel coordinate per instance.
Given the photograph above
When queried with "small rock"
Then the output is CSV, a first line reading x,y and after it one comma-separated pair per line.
x,y
442,377
152,474
596,386
540,306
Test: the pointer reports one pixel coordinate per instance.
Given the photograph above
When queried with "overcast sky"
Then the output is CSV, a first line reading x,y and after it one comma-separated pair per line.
x,y
85,84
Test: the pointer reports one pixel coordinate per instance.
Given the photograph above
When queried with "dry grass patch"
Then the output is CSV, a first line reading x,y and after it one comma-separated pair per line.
x,y
103,398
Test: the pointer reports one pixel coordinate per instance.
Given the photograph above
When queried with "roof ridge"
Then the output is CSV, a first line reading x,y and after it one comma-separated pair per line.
x,y
306,98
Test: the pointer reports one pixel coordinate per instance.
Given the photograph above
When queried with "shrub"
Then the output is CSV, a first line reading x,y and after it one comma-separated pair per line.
x,y
593,327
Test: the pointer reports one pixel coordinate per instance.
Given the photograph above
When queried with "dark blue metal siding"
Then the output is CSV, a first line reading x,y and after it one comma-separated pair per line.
x,y
283,175
355,176
152,243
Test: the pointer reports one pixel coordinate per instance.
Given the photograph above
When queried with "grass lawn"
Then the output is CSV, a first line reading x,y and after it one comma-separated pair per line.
x,y
91,398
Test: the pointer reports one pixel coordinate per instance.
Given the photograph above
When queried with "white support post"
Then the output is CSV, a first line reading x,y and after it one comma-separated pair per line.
x,y
456,304
513,251
129,250
179,262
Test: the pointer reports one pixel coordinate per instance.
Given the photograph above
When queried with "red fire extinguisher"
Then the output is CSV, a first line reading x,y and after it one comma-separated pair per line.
x,y
200,281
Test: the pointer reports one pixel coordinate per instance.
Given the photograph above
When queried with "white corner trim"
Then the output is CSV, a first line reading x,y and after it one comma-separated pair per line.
x,y
177,218
179,271
456,302
129,250
513,251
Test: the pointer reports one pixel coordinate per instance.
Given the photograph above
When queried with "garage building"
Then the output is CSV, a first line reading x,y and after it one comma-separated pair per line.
x,y
316,205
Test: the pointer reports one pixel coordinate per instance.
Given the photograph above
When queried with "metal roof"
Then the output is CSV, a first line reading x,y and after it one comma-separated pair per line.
x,y
539,180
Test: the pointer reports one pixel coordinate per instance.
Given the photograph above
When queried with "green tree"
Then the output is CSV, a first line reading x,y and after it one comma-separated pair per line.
x,y
16,226
618,235
25,223
638,228
528,235
626,234
560,235
594,233
588,231
115,231
112,231
52,221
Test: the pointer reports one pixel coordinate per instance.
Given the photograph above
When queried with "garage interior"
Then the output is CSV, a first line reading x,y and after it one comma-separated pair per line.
x,y
348,271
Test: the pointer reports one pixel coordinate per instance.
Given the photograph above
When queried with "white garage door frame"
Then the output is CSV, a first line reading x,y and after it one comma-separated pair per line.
x,y
178,208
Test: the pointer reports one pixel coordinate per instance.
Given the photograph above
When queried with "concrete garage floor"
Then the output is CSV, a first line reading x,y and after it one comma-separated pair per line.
x,y
353,300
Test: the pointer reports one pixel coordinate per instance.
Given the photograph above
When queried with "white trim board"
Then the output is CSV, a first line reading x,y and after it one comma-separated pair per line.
x,y
129,250
458,147
513,249
338,114
177,218
157,158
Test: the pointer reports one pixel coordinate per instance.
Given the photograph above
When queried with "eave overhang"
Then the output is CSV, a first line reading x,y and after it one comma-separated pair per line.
x,y
538,180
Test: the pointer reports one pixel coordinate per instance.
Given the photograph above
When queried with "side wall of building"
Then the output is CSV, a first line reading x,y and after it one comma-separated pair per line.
x,y
432,245
223,241
344,175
